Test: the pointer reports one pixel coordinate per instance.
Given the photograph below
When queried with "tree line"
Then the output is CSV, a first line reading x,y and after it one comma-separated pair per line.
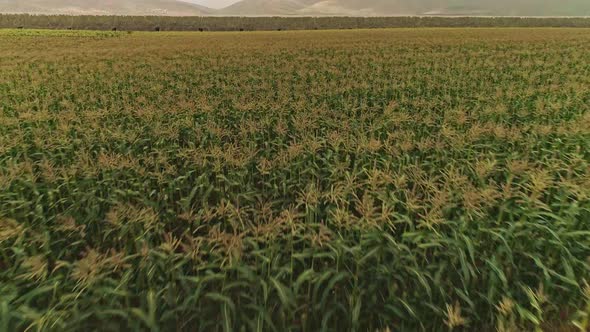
x,y
161,23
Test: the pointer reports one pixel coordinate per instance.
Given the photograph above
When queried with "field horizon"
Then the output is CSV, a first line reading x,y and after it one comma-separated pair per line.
x,y
237,23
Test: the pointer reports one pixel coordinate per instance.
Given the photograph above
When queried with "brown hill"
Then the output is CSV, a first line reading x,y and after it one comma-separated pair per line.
x,y
104,7
410,7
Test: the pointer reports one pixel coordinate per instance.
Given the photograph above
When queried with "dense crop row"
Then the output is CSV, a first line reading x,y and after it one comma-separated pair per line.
x,y
213,23
428,179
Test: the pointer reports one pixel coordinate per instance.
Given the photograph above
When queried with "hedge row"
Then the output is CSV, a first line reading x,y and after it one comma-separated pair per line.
x,y
157,23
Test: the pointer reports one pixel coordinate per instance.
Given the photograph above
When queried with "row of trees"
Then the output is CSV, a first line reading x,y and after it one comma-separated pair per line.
x,y
157,23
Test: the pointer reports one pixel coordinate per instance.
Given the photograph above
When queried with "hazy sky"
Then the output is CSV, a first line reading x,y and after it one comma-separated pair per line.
x,y
213,3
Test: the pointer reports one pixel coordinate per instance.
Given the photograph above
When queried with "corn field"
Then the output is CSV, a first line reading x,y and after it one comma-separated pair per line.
x,y
383,180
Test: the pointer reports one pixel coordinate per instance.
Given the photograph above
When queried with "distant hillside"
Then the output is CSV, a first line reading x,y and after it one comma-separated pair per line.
x,y
104,7
410,7
302,7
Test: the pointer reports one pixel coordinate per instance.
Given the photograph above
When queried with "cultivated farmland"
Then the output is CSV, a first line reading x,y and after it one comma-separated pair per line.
x,y
382,180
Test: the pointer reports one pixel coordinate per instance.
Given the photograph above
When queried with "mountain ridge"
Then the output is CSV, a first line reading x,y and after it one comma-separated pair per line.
x,y
409,7
303,7
104,7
